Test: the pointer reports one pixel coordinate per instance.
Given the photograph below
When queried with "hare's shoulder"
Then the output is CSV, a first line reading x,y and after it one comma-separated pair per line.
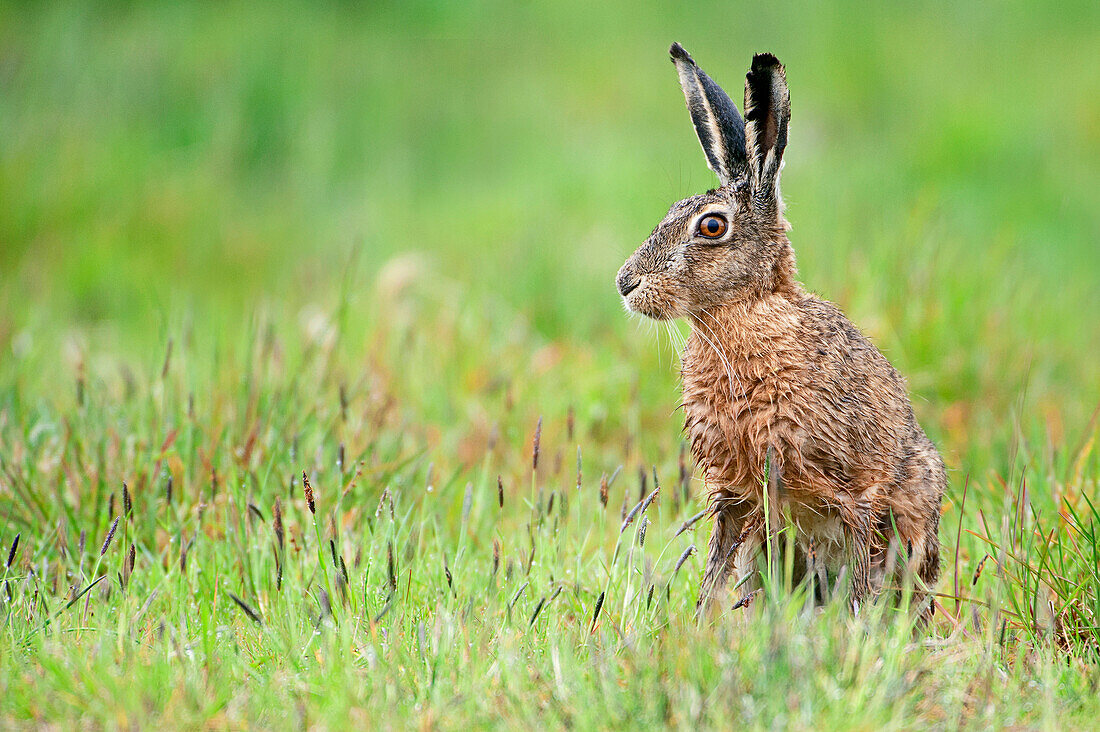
x,y
857,384
832,340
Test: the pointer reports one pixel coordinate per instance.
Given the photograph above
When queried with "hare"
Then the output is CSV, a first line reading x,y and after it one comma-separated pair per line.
x,y
789,409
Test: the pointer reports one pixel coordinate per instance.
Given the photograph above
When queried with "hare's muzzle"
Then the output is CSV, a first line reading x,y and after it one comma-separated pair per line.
x,y
627,282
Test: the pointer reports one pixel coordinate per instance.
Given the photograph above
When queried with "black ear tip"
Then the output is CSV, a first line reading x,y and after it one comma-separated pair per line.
x,y
676,51
763,61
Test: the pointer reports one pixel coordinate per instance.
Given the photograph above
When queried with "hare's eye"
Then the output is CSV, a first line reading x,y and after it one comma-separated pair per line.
x,y
712,226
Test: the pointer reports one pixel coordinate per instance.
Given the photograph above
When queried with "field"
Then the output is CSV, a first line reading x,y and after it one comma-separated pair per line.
x,y
244,246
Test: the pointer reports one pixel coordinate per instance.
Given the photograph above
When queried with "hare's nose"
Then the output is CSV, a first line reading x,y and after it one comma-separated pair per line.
x,y
627,283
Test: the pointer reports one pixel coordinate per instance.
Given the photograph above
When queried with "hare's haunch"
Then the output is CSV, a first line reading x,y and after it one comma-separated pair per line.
x,y
786,403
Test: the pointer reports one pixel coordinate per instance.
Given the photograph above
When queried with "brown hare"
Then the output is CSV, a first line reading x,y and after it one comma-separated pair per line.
x,y
790,410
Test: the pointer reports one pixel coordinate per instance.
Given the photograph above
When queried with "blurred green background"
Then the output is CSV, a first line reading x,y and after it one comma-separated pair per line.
x,y
243,242
169,170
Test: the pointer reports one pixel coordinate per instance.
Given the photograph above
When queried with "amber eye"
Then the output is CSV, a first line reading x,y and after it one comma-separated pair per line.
x,y
712,226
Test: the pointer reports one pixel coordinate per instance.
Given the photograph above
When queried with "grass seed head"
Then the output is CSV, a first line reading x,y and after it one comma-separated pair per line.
x,y
596,612
390,568
127,503
535,445
183,554
110,536
691,521
639,509
578,467
244,606
977,572
746,601
382,501
538,609
683,558
308,489
277,523
13,550
500,492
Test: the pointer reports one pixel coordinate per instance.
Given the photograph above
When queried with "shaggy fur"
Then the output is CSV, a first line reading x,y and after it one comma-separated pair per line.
x,y
786,403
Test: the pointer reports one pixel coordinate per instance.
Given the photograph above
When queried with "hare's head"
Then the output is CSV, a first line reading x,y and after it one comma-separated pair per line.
x,y
730,243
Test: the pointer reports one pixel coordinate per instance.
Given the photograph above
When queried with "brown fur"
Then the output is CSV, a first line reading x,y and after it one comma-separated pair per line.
x,y
785,401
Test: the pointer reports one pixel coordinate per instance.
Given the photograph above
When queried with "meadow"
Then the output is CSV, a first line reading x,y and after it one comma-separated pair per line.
x,y
245,247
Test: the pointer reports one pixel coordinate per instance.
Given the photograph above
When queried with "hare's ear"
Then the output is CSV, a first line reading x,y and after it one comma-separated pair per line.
x,y
767,111
717,122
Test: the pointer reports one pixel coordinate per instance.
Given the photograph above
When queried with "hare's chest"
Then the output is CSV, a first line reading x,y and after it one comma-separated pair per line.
x,y
730,424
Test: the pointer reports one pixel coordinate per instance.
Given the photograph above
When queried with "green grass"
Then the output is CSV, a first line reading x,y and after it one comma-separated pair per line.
x,y
238,243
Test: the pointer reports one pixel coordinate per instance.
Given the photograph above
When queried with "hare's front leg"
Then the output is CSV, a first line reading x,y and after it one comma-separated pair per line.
x,y
725,539
734,543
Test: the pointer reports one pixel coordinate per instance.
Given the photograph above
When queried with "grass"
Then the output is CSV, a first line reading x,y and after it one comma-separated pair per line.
x,y
376,247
